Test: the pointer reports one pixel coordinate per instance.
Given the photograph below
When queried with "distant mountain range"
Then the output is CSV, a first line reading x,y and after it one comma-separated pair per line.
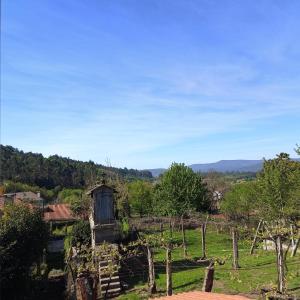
x,y
239,165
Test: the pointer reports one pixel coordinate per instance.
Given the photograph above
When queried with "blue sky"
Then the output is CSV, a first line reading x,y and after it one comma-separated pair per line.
x,y
143,83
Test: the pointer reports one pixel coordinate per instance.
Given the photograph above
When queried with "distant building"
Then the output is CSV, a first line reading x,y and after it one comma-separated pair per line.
x,y
103,221
58,214
216,200
33,200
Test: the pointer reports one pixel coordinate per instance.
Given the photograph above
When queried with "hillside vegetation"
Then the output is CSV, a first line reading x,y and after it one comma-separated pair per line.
x,y
35,169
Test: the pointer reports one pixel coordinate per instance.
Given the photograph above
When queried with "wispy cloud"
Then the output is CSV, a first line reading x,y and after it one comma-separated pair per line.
x,y
101,90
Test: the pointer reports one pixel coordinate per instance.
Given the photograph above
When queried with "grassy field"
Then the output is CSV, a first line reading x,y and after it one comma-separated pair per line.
x,y
257,271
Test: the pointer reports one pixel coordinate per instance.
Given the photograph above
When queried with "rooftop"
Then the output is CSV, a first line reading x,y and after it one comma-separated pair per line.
x,y
58,212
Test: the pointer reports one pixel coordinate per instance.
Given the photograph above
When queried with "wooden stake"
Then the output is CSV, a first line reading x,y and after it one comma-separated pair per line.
x,y
152,284
280,265
294,250
183,239
235,258
255,237
208,278
203,241
169,270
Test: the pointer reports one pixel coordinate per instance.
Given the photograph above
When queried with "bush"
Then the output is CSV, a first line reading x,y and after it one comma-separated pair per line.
x,y
81,233
23,236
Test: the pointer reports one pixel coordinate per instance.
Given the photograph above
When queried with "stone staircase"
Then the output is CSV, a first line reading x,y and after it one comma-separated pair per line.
x,y
109,280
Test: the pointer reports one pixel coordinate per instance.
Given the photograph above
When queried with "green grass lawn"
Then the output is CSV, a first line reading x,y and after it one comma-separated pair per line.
x,y
257,271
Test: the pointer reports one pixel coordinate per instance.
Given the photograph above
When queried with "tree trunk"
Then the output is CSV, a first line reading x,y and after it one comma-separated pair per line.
x,y
208,278
169,270
161,228
255,237
152,284
292,236
235,257
183,239
280,264
266,244
203,241
294,250
170,227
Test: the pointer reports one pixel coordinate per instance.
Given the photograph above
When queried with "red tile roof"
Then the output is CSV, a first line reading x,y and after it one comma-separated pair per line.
x,y
58,212
196,295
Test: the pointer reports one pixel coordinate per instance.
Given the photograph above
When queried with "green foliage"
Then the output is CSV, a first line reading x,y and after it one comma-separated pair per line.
x,y
125,227
34,169
180,190
81,207
140,195
240,200
13,187
81,233
23,236
279,188
69,195
297,149
79,202
121,197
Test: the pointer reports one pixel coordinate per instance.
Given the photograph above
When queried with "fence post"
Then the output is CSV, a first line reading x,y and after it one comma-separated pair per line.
x,y
235,257
208,278
169,270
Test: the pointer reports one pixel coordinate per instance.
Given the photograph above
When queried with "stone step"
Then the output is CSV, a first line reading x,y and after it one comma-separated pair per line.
x,y
105,262
111,279
106,268
110,285
114,290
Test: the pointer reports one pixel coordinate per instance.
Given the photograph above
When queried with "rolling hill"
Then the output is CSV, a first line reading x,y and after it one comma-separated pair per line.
x,y
220,166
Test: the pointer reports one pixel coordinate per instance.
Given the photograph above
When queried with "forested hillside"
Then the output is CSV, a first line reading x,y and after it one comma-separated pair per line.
x,y
34,169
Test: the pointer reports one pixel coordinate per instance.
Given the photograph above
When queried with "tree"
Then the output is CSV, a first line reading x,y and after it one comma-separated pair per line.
x,y
23,236
148,242
278,189
297,149
123,207
240,200
69,195
180,191
140,194
80,206
279,204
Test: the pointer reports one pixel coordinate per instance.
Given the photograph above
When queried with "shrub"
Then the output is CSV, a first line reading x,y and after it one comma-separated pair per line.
x,y
81,233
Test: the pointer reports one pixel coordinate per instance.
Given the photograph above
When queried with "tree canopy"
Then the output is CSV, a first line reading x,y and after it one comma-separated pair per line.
x,y
279,188
240,200
23,236
140,194
34,169
179,191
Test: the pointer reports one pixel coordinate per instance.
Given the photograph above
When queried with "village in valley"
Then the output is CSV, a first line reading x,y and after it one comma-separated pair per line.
x,y
150,149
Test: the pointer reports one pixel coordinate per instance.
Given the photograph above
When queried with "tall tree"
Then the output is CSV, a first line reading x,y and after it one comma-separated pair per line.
x,y
23,236
140,195
279,204
240,201
179,192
